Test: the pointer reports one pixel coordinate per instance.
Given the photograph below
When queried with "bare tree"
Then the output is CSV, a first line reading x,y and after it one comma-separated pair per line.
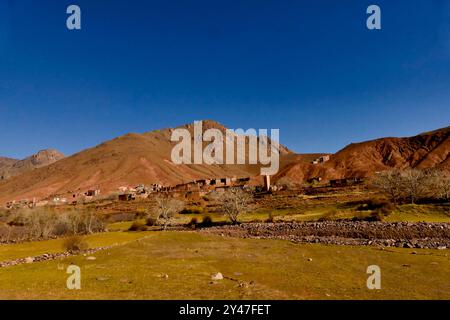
x,y
39,222
74,221
440,183
234,202
91,222
390,182
415,183
166,210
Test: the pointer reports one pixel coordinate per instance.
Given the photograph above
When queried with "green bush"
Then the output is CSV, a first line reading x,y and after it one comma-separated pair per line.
x,y
151,221
137,226
206,222
140,212
193,223
270,218
192,210
329,215
75,244
379,208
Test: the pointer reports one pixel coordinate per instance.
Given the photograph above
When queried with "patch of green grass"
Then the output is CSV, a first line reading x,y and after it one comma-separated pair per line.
x,y
414,213
253,269
428,213
122,225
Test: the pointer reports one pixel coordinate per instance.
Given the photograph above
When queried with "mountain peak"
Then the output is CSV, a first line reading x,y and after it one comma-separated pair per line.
x,y
42,158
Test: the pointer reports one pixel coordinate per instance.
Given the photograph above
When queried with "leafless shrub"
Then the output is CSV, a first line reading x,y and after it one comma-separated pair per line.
x,y
234,202
81,222
414,184
39,222
44,223
17,219
440,183
91,222
390,183
166,209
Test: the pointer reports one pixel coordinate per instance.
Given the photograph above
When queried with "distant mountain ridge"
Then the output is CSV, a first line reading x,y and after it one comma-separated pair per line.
x,y
127,160
426,150
12,167
5,162
134,159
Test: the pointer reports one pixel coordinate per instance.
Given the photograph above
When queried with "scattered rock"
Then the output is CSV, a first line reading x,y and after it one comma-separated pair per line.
x,y
406,265
29,260
101,278
50,256
353,233
309,259
217,276
91,258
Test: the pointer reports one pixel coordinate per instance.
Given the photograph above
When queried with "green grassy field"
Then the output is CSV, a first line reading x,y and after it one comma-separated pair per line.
x,y
253,269
414,213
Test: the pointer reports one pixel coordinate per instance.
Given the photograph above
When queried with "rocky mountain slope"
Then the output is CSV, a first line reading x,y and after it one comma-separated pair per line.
x,y
11,167
426,150
145,158
128,160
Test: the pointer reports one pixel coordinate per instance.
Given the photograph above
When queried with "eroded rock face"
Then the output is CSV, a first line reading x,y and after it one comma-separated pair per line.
x,y
396,234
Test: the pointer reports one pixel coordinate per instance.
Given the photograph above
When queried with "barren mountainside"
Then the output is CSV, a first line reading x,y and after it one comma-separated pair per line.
x,y
145,158
131,159
363,159
10,167
6,162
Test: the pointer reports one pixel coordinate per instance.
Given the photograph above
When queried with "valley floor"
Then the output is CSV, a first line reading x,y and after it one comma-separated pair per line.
x,y
179,265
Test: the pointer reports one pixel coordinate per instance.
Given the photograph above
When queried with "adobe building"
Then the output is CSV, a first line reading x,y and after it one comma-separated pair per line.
x,y
93,192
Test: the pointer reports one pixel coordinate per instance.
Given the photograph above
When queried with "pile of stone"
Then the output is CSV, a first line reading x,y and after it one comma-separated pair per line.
x,y
48,256
386,234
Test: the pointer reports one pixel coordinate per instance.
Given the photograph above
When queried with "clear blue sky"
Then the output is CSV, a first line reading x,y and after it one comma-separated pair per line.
x,y
310,68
